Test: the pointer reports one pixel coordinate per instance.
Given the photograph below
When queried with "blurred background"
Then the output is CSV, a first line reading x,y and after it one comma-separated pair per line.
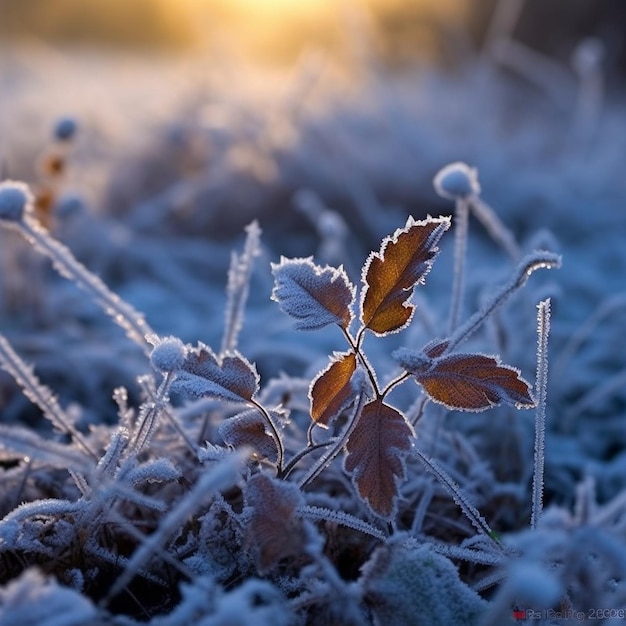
x,y
281,30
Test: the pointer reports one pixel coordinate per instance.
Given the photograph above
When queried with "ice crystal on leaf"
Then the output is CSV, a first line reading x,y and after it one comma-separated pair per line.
x,y
412,584
315,296
228,377
468,382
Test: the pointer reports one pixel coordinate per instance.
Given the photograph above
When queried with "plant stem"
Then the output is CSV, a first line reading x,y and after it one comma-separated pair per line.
x,y
275,434
69,267
394,383
461,225
541,390
325,460
300,455
356,346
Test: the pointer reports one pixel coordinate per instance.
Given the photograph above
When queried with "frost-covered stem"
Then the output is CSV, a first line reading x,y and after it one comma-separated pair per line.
x,y
280,457
342,518
356,346
327,458
494,226
529,264
39,394
417,410
149,421
541,390
454,490
177,426
461,225
304,452
69,267
55,508
395,382
239,285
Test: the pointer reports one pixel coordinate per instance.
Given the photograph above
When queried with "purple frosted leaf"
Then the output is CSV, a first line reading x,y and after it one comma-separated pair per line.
x,y
228,377
375,455
274,531
315,296
249,429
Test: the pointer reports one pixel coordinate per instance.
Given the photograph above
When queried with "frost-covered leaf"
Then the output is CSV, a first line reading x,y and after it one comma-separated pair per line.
x,y
331,390
274,529
249,429
413,585
154,471
375,455
435,348
37,600
316,296
467,382
390,275
229,377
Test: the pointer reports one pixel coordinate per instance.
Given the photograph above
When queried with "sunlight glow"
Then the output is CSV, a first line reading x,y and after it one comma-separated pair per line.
x,y
283,29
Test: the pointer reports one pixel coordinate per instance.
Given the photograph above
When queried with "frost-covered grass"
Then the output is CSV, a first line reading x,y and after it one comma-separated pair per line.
x,y
132,507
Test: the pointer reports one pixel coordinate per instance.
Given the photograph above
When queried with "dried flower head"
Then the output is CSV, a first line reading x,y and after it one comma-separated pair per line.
x,y
168,355
15,200
457,180
65,129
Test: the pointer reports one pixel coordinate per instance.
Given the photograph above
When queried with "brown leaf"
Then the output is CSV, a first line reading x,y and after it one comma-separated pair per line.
x,y
375,452
474,382
391,274
331,391
249,429
274,532
228,377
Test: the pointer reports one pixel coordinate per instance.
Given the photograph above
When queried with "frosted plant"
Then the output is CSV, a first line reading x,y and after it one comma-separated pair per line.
x,y
35,599
406,580
238,285
17,211
321,463
541,390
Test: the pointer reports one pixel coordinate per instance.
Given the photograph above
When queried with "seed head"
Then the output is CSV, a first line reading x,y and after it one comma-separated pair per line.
x,y
65,129
15,200
168,355
457,180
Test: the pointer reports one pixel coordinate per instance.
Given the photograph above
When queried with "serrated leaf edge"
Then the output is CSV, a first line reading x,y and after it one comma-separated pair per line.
x,y
393,238
336,358
336,273
499,363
